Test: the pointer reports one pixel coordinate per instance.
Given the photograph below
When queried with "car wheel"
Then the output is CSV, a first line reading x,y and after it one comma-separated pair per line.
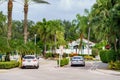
x,y
37,67
71,65
22,67
84,65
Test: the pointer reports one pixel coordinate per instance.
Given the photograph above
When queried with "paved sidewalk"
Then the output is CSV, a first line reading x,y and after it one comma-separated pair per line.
x,y
103,67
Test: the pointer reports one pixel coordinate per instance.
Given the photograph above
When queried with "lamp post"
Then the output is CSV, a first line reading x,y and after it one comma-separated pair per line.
x,y
88,37
35,43
35,38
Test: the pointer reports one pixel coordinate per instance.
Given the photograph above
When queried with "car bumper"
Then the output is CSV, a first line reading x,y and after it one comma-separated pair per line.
x,y
30,64
77,63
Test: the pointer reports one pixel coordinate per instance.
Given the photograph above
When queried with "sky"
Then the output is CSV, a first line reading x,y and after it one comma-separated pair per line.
x,y
57,9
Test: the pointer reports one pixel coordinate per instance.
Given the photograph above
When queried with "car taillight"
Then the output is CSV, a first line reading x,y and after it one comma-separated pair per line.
x,y
23,60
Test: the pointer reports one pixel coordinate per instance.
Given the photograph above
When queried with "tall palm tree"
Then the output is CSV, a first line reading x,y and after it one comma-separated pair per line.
x,y
26,4
56,28
83,28
43,30
10,7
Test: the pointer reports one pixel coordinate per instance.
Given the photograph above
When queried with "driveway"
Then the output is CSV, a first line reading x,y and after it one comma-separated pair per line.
x,y
49,70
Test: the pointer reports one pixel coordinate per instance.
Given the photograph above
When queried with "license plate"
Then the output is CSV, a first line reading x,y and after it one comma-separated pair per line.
x,y
29,60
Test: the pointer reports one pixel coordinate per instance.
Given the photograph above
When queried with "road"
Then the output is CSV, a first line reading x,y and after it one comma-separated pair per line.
x,y
48,70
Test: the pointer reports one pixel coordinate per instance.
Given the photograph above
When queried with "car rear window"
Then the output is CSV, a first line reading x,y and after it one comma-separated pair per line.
x,y
29,57
77,58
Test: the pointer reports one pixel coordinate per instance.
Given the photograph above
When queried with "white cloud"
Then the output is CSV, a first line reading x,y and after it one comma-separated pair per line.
x,y
58,9
66,4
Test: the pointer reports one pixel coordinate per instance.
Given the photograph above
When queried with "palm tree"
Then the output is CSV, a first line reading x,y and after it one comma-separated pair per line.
x,y
56,28
105,18
10,6
26,4
83,27
3,27
43,30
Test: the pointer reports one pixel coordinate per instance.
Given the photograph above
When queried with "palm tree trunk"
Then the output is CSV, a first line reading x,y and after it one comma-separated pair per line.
x,y
10,6
81,42
44,50
25,22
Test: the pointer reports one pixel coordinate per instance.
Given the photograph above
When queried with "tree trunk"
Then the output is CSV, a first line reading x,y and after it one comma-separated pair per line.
x,y
10,6
118,43
115,45
81,41
44,50
25,22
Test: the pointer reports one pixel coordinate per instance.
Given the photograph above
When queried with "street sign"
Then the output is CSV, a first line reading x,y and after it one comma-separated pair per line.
x,y
60,54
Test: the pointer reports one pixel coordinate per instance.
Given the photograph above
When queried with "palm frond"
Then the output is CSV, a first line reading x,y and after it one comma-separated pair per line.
x,y
41,1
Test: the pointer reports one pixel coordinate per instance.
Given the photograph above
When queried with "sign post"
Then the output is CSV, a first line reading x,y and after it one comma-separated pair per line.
x,y
60,54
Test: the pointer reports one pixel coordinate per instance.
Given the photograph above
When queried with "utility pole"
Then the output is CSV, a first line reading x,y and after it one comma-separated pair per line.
x,y
88,38
35,43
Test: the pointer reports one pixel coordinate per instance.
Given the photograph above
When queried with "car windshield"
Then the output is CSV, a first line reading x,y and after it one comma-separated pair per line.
x,y
29,57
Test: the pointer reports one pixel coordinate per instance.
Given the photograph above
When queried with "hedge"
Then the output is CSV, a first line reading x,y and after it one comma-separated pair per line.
x,y
118,54
88,57
103,56
48,55
63,62
9,65
111,55
95,52
107,55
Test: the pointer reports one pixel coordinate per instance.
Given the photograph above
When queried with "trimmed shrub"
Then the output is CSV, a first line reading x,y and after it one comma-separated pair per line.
x,y
88,57
118,54
95,52
48,55
66,61
111,55
107,55
103,56
9,65
63,62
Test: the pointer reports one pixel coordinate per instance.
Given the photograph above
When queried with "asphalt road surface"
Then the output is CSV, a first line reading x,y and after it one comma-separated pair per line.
x,y
49,70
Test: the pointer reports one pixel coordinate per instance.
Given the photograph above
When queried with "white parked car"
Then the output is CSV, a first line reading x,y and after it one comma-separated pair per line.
x,y
77,60
30,61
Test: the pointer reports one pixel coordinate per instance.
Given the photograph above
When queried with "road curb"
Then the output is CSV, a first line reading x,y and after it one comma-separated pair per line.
x,y
111,72
2,71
